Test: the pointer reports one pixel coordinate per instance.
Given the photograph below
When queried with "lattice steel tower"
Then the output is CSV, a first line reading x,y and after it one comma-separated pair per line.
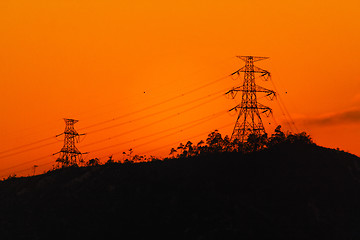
x,y
69,154
249,119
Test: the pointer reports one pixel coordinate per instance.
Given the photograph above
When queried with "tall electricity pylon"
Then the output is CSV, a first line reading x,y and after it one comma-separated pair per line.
x,y
69,154
249,120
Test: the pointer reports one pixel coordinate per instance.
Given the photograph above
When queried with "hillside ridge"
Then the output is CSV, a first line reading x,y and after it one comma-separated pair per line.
x,y
289,191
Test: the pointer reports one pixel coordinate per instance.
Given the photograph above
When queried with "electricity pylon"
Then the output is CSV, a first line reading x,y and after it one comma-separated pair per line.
x,y
249,119
69,154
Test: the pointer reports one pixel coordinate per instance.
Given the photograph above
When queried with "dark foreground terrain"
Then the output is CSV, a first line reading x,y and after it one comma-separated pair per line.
x,y
291,191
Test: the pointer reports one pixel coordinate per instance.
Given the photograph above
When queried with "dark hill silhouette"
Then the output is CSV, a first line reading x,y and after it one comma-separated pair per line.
x,y
288,191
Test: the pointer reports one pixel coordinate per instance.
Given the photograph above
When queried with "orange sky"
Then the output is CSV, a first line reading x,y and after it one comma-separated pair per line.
x,y
98,60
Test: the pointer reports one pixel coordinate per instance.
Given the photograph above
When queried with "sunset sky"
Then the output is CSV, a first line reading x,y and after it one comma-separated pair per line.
x,y
148,75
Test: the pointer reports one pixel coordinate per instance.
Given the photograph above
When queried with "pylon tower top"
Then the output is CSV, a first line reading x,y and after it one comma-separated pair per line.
x,y
249,119
253,58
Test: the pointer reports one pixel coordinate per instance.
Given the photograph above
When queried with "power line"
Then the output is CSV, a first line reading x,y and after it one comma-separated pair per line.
x,y
184,139
161,120
158,121
204,69
30,168
192,124
156,104
155,122
8,151
26,150
26,145
163,111
152,150
285,109
170,134
24,163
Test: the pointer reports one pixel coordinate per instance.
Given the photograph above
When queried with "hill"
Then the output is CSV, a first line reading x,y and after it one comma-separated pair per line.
x,y
289,191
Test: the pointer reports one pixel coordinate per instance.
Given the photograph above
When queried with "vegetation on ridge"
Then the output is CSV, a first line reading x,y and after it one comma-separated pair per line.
x,y
214,143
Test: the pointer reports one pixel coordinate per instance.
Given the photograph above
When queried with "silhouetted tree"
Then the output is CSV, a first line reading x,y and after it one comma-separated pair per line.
x,y
93,162
152,158
189,149
172,152
110,160
235,146
280,137
181,147
302,137
199,148
277,137
226,144
130,153
64,162
11,176
256,142
138,158
215,142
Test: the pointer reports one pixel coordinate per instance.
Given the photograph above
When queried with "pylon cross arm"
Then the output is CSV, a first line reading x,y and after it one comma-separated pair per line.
x,y
264,90
238,71
253,58
255,69
257,89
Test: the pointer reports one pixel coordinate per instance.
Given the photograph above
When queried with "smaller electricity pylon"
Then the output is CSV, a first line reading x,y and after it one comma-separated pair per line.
x,y
249,119
69,154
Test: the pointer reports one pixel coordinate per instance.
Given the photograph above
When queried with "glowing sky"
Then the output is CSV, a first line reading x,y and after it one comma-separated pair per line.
x,y
99,60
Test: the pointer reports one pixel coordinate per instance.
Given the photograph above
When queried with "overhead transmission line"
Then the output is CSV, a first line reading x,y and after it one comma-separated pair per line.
x,y
216,94
31,168
203,69
184,139
283,108
26,150
107,121
24,163
26,145
156,104
170,134
153,123
152,150
191,125
149,115
109,127
7,152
